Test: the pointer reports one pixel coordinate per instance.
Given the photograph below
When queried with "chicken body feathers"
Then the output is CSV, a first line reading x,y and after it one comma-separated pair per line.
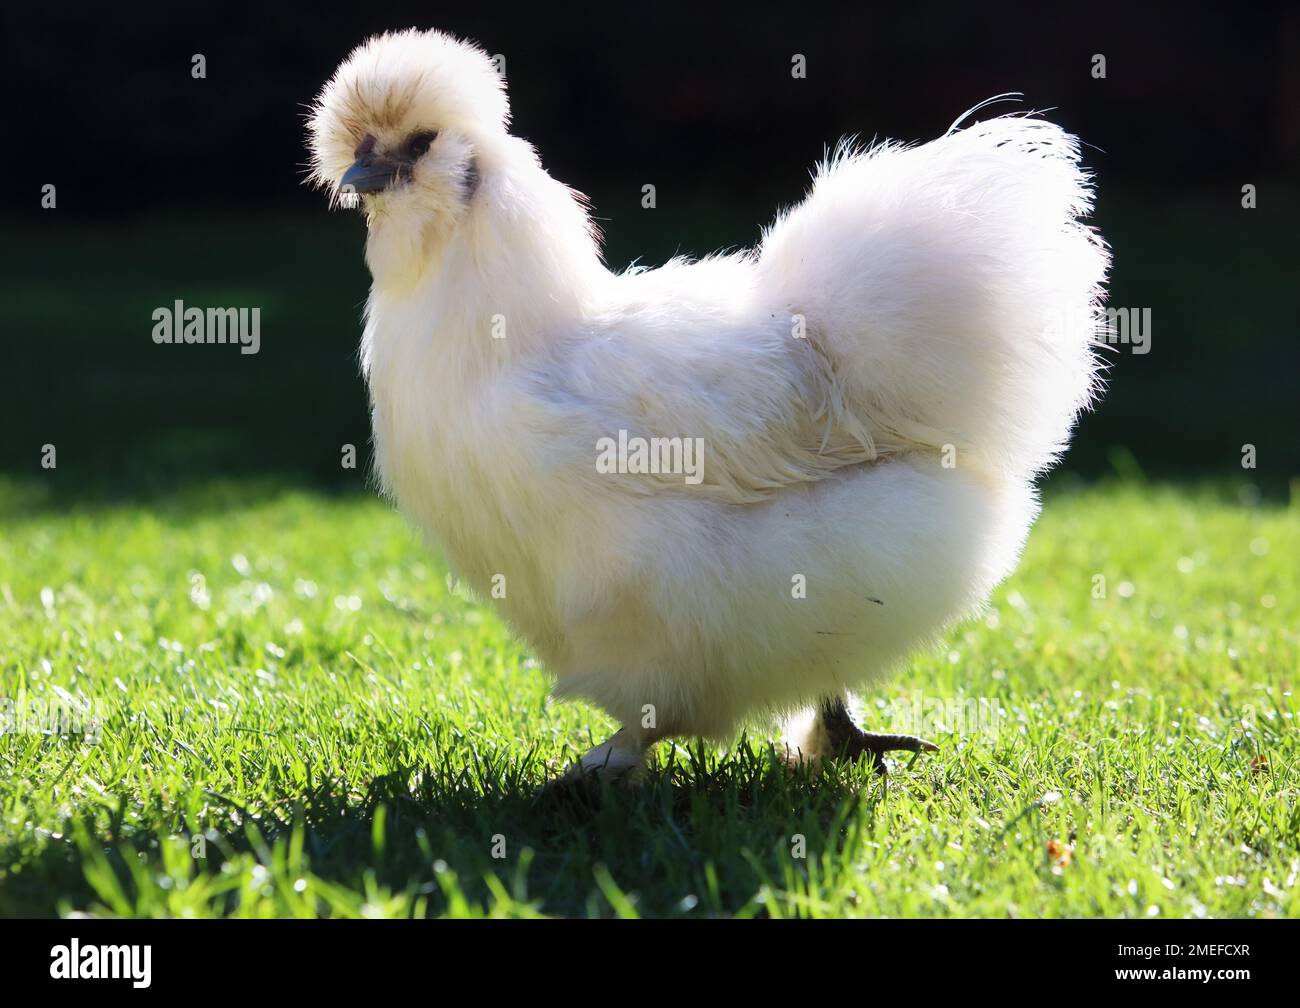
x,y
876,386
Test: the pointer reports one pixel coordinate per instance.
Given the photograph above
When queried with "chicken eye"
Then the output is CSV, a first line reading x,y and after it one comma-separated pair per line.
x,y
419,143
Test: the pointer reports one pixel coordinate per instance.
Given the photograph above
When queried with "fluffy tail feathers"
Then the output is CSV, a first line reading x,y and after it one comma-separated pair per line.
x,y
952,289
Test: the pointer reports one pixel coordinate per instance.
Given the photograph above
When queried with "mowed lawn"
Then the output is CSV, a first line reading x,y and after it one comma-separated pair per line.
x,y
295,712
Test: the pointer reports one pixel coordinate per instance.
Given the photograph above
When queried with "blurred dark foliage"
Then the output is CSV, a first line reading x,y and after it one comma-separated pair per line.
x,y
170,187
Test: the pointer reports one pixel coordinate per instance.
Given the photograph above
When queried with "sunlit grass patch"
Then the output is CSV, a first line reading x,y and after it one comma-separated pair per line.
x,y
286,707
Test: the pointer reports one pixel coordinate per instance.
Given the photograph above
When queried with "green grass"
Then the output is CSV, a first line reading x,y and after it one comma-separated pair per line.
x,y
290,686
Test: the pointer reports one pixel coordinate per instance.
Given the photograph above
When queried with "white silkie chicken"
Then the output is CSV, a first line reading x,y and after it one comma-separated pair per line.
x,y
874,389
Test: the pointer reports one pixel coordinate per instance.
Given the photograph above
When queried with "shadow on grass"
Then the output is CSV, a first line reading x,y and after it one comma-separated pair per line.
x,y
704,834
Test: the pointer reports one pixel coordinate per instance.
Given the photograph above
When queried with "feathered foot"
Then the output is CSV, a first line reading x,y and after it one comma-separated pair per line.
x,y
831,734
620,759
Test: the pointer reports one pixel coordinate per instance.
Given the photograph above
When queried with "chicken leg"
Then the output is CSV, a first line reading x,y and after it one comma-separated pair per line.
x,y
832,734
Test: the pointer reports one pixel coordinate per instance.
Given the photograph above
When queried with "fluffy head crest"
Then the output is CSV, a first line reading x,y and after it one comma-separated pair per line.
x,y
398,80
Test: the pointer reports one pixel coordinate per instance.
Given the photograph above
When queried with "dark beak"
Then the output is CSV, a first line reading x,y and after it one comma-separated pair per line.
x,y
367,175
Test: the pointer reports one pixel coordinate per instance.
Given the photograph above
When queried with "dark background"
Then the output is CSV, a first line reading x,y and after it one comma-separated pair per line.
x,y
170,187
